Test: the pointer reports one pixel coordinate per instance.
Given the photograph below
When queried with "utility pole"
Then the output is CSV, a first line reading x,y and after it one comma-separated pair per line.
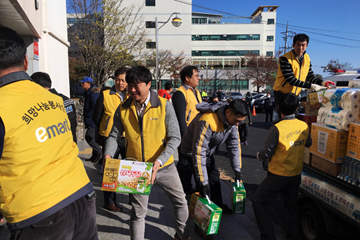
x,y
288,34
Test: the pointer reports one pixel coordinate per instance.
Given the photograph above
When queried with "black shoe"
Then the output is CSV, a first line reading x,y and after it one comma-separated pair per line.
x,y
226,209
201,233
96,158
99,167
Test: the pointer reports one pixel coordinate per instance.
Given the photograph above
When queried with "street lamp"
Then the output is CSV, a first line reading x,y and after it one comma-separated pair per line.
x,y
176,22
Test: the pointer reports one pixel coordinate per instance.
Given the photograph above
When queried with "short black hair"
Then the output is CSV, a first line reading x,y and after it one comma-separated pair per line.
x,y
187,72
120,70
41,78
12,49
301,38
288,103
168,85
238,106
138,74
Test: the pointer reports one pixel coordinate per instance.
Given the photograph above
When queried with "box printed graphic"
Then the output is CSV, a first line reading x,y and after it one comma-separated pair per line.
x,y
238,195
127,176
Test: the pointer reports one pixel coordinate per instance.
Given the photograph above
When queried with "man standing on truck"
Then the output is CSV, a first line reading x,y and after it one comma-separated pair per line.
x,y
295,72
284,150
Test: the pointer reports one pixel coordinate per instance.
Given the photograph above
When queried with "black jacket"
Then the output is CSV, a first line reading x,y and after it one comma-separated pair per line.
x,y
70,110
269,103
90,98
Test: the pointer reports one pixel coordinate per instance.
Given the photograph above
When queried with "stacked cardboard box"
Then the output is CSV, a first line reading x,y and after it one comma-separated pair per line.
x,y
328,149
328,143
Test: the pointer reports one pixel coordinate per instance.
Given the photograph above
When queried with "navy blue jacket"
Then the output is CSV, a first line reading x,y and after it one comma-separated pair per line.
x,y
90,98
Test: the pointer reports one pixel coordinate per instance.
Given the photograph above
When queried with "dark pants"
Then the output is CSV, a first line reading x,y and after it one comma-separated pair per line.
x,y
243,131
268,112
214,180
110,197
186,174
75,221
90,138
272,185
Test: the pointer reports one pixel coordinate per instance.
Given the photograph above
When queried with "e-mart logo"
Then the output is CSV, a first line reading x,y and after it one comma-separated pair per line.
x,y
42,134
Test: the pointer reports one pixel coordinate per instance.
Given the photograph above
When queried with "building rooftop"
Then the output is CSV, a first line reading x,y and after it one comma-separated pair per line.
x,y
260,9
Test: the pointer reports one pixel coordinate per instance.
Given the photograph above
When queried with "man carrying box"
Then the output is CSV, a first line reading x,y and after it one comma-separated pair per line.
x,y
152,135
214,125
284,149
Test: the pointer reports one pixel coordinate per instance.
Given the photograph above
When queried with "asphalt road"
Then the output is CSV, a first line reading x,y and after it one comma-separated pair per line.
x,y
252,169
253,174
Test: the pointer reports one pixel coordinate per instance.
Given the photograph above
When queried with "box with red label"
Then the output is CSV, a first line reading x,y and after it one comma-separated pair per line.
x,y
329,143
127,176
309,119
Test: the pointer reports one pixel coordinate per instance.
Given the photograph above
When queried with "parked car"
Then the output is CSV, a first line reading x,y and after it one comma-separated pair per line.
x,y
302,98
235,95
259,96
224,98
260,101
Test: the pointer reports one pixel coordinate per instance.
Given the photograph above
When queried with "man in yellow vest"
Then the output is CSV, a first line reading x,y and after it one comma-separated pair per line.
x,y
284,152
295,72
151,135
45,191
105,107
184,100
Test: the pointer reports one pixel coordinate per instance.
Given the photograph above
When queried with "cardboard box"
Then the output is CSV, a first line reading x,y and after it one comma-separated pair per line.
x,y
309,111
329,143
315,99
326,166
238,195
353,145
127,176
309,119
192,205
207,216
307,158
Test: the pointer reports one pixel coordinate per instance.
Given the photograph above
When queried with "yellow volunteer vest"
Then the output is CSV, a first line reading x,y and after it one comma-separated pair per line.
x,y
289,154
111,103
299,73
191,102
148,143
39,166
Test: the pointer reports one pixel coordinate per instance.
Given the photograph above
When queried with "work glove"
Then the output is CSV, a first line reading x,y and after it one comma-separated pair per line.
x,y
327,84
316,87
237,176
205,190
257,156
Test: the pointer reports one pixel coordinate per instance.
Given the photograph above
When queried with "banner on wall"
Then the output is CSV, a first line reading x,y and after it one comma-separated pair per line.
x,y
36,48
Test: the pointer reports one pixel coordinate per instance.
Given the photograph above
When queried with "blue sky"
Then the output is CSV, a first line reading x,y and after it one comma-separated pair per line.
x,y
340,19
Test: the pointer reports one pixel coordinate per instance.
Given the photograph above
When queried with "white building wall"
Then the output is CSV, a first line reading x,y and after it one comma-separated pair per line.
x,y
261,28
45,24
54,45
172,38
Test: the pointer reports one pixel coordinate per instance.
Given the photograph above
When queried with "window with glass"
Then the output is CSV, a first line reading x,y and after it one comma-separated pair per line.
x,y
270,38
224,53
244,37
271,21
199,20
150,24
269,54
149,2
151,45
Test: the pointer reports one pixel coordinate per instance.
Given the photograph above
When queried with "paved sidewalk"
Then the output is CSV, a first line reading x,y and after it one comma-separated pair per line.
x,y
159,221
